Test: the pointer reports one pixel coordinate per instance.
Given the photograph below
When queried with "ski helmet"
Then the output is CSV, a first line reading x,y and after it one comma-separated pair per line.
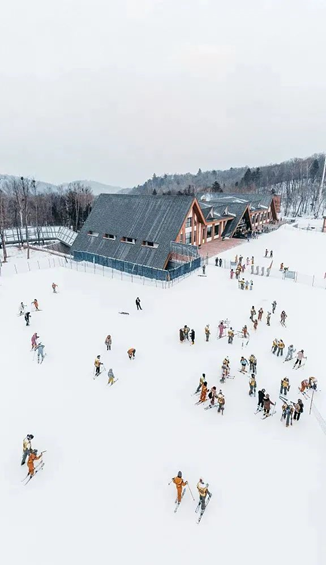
x,y
180,475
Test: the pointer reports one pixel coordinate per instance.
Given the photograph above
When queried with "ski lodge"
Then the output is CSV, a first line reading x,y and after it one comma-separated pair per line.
x,y
157,235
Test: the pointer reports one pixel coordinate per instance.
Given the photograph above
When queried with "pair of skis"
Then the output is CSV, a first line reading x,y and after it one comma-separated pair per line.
x,y
202,511
29,477
270,414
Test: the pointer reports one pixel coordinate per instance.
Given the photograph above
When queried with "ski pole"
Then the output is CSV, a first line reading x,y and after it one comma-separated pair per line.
x,y
169,483
191,492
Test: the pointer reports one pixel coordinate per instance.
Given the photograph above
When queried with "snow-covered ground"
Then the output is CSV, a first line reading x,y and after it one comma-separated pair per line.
x,y
103,495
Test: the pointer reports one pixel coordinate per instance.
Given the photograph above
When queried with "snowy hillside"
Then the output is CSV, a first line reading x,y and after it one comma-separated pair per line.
x,y
103,495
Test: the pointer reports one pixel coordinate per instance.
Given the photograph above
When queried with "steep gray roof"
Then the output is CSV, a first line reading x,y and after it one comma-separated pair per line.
x,y
157,219
238,211
256,201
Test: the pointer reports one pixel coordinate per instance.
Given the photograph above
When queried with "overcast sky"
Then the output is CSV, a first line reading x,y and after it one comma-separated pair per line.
x,y
115,90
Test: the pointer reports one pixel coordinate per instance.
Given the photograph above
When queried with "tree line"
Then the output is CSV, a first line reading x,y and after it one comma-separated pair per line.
x,y
23,204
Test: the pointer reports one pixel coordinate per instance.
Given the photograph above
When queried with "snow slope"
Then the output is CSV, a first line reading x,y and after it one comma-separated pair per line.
x,y
103,495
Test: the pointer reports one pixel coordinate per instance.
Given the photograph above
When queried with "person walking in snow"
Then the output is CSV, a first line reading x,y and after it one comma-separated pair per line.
x,y
216,261
252,364
220,262
192,337
274,345
27,318
267,404
268,319
221,328
260,314
261,396
207,332
289,354
40,352
280,347
298,409
252,385
221,402
230,335
243,364
179,483
203,493
252,313
138,303
181,335
54,287
300,357
27,447
285,386
131,353
266,252
201,382
35,304
283,318
111,378
274,304
108,342
97,365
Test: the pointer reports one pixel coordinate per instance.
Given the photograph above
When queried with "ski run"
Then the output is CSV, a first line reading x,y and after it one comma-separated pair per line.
x,y
229,416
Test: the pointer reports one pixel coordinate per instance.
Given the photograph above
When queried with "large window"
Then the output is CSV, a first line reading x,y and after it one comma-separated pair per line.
x,y
216,229
188,223
209,231
188,237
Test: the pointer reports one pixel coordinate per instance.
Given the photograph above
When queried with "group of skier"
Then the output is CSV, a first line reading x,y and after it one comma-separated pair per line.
x,y
211,395
202,489
31,455
186,334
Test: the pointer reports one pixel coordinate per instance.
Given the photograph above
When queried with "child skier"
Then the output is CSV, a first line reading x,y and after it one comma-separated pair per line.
x,y
131,353
289,354
30,462
243,364
40,352
179,483
33,340
285,386
260,314
245,332
267,404
221,402
97,365
54,287
255,324
252,385
111,378
108,342
35,303
207,332
203,492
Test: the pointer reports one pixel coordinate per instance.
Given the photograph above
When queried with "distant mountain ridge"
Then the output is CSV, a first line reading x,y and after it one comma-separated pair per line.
x,y
97,187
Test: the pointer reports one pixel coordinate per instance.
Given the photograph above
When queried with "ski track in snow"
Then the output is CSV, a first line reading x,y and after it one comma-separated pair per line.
x,y
103,493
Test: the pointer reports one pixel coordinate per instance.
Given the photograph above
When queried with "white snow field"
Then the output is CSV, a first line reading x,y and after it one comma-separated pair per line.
x,y
103,496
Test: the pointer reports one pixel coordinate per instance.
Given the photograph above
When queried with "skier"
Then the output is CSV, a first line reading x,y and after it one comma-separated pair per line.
x,y
204,269
247,285
274,345
179,483
203,392
97,365
271,253
240,260
283,318
203,492
300,357
30,462
243,364
33,340
251,285
287,412
111,378
313,383
108,342
285,386
181,335
35,303
252,260
22,309
268,319
252,364
27,317
221,402
281,266
220,262
221,328
230,335
212,395
225,370
255,324
260,314
289,354
245,332
186,331
40,352
201,382
274,304
266,252
247,261
267,404
252,385
252,313
138,303
261,396
304,385
298,409
131,353
54,287
216,261
207,332
280,347
242,284
27,447
192,337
